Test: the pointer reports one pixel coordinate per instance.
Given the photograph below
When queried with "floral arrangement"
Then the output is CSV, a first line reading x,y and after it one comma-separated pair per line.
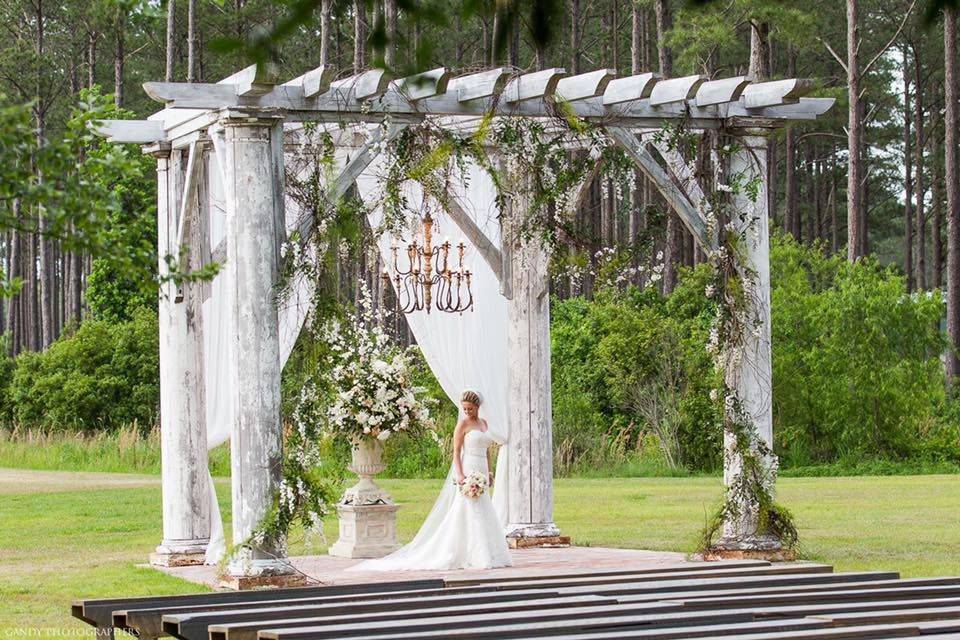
x,y
370,382
474,485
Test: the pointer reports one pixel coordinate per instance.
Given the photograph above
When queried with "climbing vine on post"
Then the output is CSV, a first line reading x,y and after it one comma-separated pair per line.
x,y
749,519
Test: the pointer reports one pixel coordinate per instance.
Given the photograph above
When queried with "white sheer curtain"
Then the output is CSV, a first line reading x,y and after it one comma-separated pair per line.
x,y
463,350
469,350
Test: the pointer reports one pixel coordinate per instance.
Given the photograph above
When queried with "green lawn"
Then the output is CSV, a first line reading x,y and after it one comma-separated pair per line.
x,y
69,535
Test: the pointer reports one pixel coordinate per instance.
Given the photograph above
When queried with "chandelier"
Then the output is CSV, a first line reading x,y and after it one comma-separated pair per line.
x,y
429,278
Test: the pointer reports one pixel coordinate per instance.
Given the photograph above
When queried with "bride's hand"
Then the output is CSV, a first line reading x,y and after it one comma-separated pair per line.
x,y
458,477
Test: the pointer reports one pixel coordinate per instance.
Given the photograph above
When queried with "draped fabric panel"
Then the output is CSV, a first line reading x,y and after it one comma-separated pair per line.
x,y
466,350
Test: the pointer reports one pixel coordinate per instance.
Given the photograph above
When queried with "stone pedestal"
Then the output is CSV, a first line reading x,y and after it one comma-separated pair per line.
x,y
248,583
180,556
538,542
366,531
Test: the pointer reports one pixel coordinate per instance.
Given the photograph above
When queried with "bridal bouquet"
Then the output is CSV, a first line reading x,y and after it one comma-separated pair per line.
x,y
369,380
474,485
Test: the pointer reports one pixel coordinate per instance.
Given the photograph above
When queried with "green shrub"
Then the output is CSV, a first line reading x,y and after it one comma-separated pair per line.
x,y
102,376
630,369
856,359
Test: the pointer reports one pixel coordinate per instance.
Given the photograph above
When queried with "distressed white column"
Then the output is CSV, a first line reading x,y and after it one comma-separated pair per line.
x,y
253,192
752,377
530,506
183,436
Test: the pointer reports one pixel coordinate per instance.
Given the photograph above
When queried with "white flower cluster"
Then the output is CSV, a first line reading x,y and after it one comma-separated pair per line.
x,y
374,393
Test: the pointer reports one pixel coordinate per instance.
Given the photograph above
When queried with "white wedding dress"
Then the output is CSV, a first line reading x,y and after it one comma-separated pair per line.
x,y
460,532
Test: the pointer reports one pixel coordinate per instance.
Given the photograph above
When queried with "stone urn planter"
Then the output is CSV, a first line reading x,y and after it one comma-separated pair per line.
x,y
367,514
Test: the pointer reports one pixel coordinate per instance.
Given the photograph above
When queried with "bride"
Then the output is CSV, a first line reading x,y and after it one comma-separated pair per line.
x,y
460,532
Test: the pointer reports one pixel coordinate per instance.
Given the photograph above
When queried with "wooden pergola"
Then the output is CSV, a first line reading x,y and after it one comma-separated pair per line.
x,y
248,110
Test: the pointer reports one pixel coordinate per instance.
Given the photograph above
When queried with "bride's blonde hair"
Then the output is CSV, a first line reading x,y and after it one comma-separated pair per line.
x,y
471,396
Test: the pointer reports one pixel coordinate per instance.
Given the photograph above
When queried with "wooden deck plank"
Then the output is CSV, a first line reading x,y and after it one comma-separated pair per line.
x,y
744,582
681,568
707,631
947,615
147,622
100,611
185,623
533,623
772,570
852,633
862,590
246,627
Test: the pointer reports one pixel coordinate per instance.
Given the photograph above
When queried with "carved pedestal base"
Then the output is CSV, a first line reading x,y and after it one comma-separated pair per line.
x,y
177,559
179,553
770,555
750,548
530,542
366,531
248,583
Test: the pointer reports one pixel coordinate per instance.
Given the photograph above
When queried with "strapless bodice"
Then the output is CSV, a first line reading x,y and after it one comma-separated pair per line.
x,y
476,443
474,456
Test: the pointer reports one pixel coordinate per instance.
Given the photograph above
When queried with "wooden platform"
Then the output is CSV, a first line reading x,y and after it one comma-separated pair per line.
x,y
672,599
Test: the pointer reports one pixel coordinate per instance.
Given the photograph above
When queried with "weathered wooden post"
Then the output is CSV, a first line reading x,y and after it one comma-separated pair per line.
x,y
752,375
254,206
183,436
526,284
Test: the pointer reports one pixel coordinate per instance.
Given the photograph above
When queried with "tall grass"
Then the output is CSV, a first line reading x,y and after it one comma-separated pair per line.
x,y
129,449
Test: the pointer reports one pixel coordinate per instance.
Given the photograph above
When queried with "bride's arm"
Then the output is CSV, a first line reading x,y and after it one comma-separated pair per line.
x,y
458,434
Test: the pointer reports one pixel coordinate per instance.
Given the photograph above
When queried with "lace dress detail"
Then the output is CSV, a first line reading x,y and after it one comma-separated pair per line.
x,y
470,536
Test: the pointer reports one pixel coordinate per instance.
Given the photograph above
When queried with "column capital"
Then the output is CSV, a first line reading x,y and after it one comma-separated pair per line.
x,y
250,117
158,150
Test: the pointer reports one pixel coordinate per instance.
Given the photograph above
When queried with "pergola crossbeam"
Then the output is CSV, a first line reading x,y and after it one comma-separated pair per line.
x,y
485,84
585,85
720,91
423,85
777,92
638,87
675,197
675,90
136,131
530,86
314,82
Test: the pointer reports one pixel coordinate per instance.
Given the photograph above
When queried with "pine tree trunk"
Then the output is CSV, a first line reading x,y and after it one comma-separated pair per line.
x,y
191,40
937,203
907,179
952,181
664,24
673,244
574,37
171,39
834,218
118,57
13,272
325,6
855,213
921,251
515,44
791,218
359,35
390,23
91,59
614,39
811,233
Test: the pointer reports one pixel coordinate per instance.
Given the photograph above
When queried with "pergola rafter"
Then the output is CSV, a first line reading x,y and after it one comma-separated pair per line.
x,y
244,117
